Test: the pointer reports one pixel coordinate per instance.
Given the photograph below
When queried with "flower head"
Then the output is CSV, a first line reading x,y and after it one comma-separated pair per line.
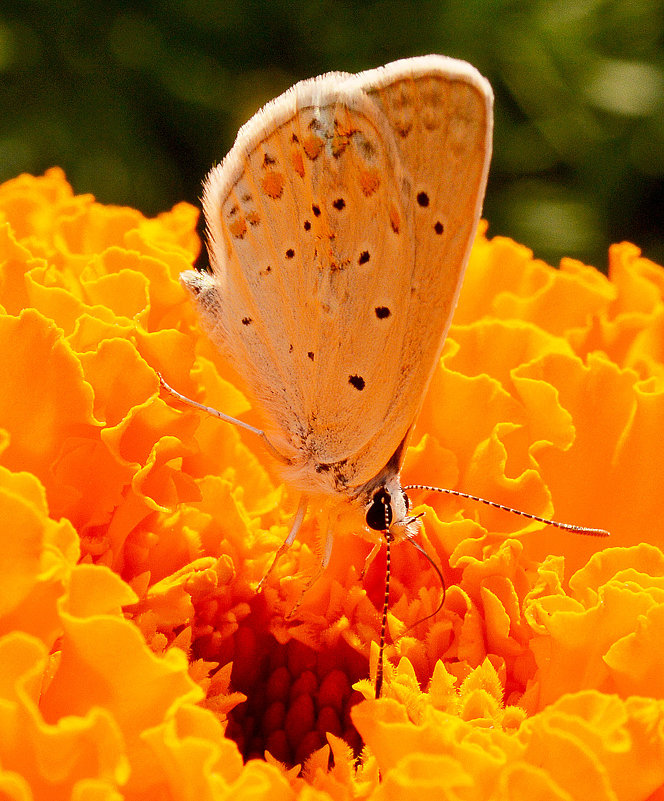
x,y
139,661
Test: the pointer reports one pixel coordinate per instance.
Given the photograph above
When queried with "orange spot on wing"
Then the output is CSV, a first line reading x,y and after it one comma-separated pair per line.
x,y
312,146
273,184
298,163
238,227
369,181
339,143
344,127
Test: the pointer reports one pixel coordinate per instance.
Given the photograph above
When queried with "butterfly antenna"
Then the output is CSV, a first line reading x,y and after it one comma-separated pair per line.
x,y
386,606
591,532
383,623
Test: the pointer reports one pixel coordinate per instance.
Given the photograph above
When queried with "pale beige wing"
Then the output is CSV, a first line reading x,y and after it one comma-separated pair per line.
x,y
339,227
441,113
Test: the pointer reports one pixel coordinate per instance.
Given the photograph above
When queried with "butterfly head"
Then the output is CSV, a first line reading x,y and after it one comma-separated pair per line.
x,y
386,510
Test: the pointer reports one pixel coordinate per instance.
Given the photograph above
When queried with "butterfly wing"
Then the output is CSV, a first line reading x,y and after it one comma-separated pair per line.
x,y
339,228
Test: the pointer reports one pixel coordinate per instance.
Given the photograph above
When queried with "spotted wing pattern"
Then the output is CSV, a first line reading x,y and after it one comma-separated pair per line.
x,y
339,228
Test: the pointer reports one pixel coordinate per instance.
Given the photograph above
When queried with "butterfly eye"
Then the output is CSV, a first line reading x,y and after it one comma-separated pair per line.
x,y
379,511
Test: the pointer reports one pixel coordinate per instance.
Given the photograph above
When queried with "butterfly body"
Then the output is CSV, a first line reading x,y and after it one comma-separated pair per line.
x,y
339,226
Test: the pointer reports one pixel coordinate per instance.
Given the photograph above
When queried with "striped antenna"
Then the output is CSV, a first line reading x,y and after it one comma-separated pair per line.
x,y
585,530
386,601
383,623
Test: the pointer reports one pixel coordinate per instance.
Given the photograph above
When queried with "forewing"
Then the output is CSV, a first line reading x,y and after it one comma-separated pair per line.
x,y
334,278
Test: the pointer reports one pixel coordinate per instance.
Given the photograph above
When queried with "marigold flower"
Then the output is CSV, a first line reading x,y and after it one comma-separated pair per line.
x,y
139,662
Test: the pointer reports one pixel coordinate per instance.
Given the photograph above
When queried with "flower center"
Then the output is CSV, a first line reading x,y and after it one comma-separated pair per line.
x,y
295,694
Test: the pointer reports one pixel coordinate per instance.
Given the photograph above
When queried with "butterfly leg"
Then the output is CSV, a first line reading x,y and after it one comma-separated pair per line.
x,y
290,539
324,562
226,417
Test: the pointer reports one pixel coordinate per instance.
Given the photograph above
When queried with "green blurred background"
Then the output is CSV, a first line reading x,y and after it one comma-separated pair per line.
x,y
137,100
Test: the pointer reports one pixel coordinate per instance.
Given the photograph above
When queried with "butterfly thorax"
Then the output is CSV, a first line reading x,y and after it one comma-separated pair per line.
x,y
371,508
376,511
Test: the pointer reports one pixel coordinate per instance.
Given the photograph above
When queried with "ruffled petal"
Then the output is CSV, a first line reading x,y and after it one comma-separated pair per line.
x,y
138,660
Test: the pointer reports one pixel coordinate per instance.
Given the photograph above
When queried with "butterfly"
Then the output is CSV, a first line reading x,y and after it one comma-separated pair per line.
x,y
339,227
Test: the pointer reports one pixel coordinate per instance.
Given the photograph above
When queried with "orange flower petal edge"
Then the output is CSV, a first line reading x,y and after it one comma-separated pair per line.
x,y
138,661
